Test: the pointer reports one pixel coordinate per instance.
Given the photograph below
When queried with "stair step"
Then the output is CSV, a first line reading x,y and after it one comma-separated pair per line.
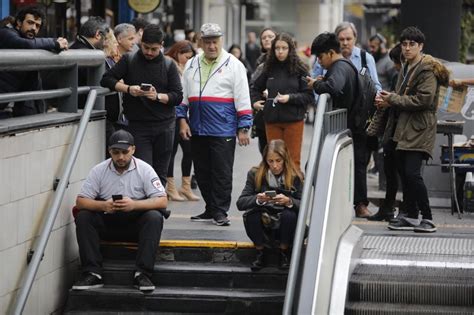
x,y
177,299
412,285
127,251
203,275
366,308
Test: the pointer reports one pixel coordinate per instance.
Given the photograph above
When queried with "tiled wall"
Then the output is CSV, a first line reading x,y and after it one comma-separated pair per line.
x,y
29,163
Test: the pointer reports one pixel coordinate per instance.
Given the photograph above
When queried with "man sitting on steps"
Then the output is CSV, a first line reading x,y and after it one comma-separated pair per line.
x,y
124,195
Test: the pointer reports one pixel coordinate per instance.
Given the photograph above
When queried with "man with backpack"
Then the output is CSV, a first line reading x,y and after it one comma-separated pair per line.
x,y
343,82
346,35
151,89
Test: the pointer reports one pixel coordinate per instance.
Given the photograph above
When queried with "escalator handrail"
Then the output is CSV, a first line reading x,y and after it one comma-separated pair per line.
x,y
305,203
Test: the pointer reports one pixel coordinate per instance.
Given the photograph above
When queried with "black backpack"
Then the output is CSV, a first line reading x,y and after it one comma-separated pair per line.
x,y
363,106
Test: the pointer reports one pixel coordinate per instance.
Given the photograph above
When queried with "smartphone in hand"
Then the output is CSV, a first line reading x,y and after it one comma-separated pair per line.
x,y
117,197
270,193
145,87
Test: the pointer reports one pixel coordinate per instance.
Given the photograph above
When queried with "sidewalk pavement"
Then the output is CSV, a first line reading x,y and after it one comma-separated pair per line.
x,y
179,226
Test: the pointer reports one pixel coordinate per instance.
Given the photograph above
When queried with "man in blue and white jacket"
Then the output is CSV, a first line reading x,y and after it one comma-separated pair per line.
x,y
216,100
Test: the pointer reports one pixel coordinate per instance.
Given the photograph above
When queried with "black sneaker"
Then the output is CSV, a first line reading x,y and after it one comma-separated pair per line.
x,y
403,224
401,214
88,281
205,216
221,220
426,226
143,283
382,215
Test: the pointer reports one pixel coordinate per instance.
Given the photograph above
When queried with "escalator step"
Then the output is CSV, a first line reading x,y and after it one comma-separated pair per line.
x,y
364,308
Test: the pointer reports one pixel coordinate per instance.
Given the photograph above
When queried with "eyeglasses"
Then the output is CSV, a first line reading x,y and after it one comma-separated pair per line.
x,y
117,152
281,48
411,43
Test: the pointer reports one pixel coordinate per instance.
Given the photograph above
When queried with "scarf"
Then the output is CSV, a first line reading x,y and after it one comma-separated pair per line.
x,y
275,181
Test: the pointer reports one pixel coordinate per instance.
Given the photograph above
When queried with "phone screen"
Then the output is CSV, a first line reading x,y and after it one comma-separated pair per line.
x,y
145,87
116,197
270,193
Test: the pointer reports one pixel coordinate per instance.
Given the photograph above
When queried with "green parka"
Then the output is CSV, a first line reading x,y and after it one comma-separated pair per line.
x,y
416,105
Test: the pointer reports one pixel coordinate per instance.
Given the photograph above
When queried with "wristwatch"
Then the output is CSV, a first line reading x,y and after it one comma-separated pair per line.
x,y
244,130
158,97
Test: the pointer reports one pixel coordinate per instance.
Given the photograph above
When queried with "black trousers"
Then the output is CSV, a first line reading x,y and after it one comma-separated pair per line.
x,y
415,192
360,169
187,160
142,226
154,144
392,170
285,233
262,139
213,163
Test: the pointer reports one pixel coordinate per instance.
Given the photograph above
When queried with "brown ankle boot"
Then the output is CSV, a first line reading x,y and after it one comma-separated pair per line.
x,y
171,190
186,189
362,211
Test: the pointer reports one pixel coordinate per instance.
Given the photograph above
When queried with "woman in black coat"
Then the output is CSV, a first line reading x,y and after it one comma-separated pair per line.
x,y
284,108
271,199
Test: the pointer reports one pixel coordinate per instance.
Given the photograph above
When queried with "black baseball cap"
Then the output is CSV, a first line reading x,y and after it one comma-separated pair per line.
x,y
121,139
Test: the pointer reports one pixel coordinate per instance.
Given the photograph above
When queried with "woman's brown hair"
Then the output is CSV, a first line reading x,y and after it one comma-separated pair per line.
x,y
181,47
290,172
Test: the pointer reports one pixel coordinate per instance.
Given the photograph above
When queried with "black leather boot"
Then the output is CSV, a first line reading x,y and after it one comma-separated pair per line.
x,y
384,214
284,259
259,262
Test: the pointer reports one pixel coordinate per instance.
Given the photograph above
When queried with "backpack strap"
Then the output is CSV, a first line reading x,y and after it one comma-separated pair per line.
x,y
363,55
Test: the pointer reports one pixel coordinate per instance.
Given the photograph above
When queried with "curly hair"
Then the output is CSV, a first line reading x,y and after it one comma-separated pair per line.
x,y
295,65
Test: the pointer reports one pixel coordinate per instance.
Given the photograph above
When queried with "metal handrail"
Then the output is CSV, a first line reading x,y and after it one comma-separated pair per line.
x,y
32,268
37,59
34,95
305,203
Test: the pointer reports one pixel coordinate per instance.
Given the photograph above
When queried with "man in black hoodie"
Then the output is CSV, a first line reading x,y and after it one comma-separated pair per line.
x,y
151,89
22,35
340,82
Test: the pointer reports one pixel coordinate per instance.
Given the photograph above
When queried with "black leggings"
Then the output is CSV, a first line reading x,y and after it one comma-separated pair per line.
x,y
285,233
187,160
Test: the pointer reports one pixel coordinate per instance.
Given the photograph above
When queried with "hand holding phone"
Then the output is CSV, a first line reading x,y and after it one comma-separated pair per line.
x,y
145,87
270,193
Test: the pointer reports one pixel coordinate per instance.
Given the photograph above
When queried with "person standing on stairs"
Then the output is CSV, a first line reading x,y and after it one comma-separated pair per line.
x,y
271,198
180,53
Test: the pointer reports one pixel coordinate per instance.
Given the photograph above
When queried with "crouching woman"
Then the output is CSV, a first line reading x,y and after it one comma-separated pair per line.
x,y
271,199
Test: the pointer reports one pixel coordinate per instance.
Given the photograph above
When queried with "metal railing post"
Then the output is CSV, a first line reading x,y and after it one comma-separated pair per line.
x,y
68,78
32,268
94,75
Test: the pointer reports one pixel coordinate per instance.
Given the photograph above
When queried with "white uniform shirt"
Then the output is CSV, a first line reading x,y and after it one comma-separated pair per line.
x,y
139,182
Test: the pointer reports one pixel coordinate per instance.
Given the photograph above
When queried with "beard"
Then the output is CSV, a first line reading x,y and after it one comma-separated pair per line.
x,y
377,55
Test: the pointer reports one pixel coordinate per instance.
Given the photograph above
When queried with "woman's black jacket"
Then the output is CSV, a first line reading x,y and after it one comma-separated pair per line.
x,y
279,80
248,197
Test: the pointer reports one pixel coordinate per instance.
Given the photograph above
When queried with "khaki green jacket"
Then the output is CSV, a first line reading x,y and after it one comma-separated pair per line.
x,y
416,104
